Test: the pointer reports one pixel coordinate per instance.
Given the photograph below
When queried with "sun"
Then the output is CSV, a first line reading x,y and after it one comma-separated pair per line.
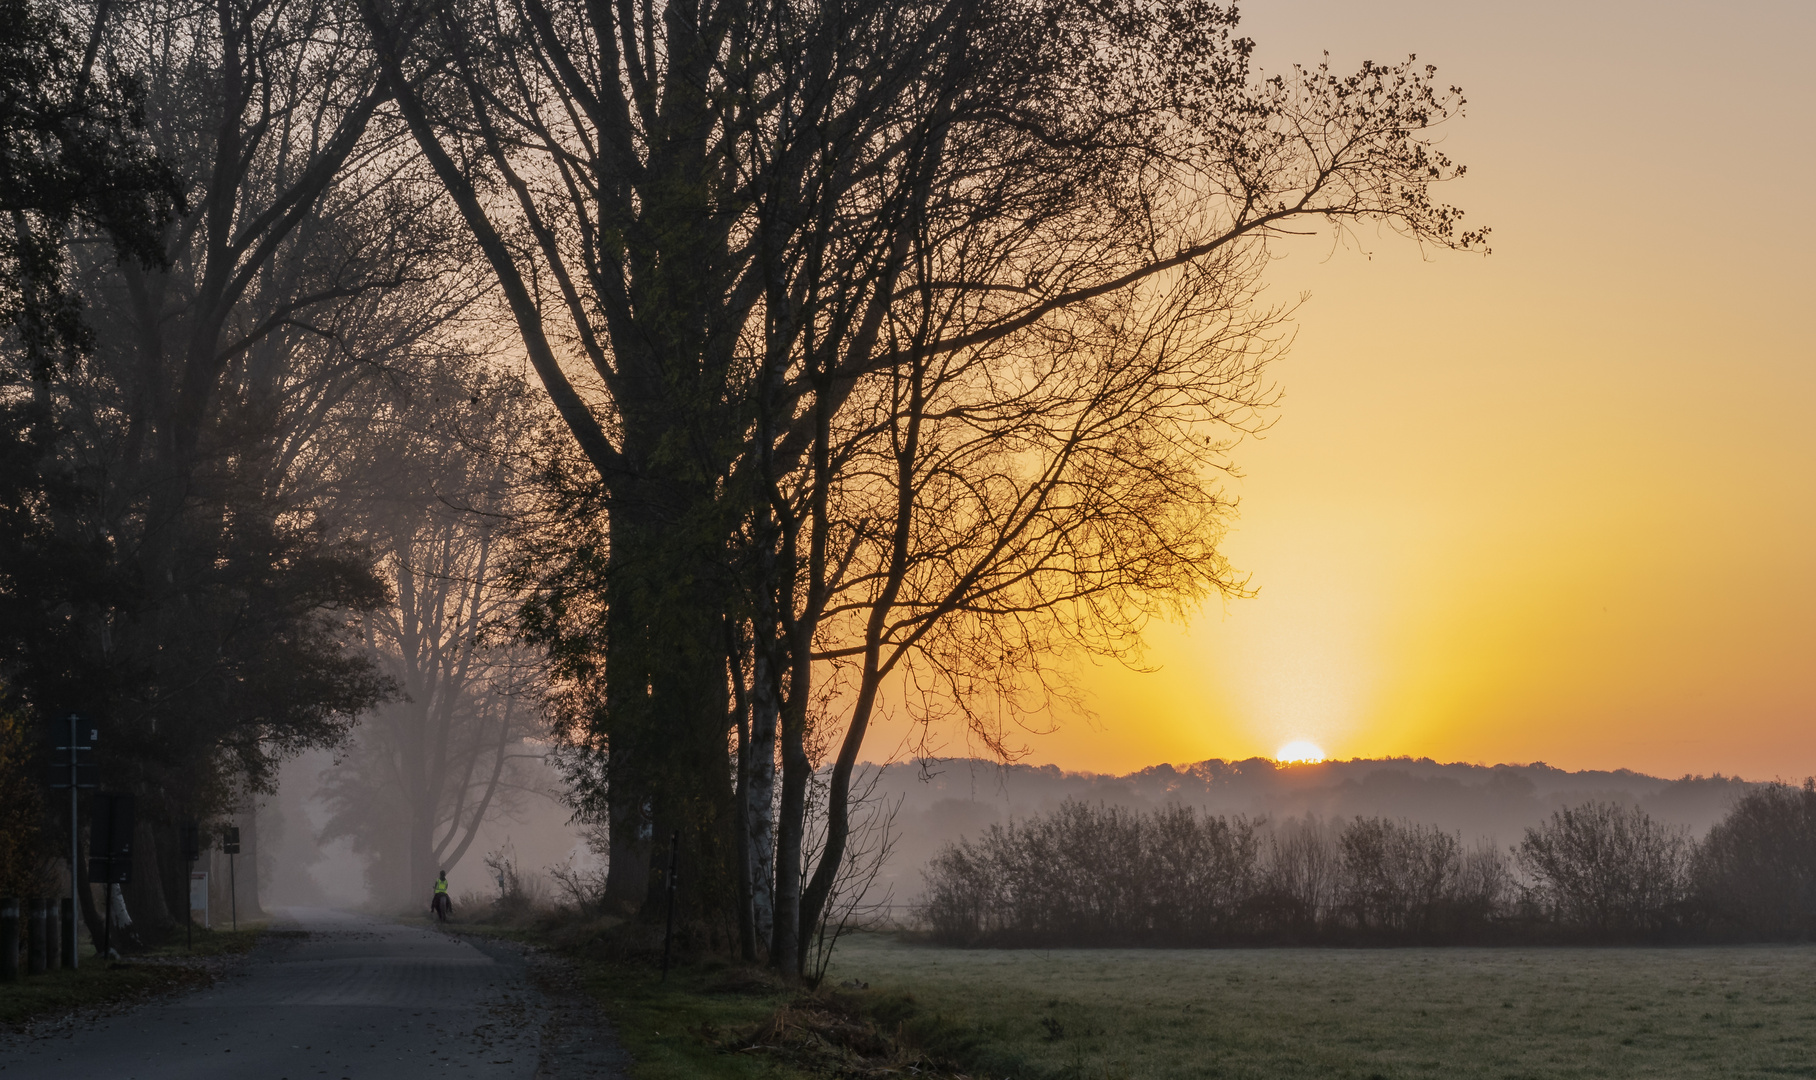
x,y
1299,752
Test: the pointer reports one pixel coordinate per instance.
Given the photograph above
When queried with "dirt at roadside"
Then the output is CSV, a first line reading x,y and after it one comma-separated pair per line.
x,y
578,1042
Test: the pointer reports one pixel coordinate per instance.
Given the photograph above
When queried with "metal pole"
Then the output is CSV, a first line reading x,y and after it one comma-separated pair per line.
x,y
107,928
668,937
233,891
75,933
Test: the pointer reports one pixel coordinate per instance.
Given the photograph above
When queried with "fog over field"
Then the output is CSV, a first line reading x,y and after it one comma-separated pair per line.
x,y
944,799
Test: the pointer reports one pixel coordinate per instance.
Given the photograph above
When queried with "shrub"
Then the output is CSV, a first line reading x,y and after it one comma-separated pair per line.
x,y
1755,873
1104,875
1608,869
1406,881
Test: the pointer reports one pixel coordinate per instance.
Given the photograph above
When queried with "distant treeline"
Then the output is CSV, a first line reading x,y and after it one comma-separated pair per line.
x,y
1597,873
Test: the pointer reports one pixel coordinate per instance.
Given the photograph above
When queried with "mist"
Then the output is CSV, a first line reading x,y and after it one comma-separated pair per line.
x,y
297,868
942,800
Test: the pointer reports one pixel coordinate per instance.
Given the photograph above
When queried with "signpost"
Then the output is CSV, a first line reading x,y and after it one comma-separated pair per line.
x,y
71,739
230,846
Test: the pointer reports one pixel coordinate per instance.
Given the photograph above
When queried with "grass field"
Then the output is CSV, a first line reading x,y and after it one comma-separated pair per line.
x,y
1328,1013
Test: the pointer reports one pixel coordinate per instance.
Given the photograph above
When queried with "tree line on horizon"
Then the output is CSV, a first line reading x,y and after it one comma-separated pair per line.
x,y
1598,873
681,383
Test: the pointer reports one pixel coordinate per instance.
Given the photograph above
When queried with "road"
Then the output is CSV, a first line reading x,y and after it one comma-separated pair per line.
x,y
338,995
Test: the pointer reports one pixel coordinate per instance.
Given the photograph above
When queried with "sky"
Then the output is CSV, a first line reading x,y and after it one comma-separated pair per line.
x,y
1553,504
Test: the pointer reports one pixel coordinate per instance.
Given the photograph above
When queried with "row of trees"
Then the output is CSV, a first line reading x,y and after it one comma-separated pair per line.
x,y
891,349
243,361
1093,875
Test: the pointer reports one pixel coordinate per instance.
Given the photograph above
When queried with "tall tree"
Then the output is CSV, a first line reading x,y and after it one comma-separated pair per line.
x,y
307,262
442,462
757,250
1023,460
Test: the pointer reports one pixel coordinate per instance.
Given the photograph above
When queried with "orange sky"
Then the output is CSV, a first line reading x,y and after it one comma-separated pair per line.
x,y
1555,504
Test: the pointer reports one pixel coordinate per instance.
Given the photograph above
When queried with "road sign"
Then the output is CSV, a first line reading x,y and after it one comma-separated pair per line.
x,y
87,734
72,753
230,840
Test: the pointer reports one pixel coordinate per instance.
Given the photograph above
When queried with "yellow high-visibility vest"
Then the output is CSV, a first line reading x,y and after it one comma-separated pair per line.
x,y
441,885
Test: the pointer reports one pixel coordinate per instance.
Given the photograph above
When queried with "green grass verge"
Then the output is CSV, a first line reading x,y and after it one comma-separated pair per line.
x,y
675,1029
161,970
712,1019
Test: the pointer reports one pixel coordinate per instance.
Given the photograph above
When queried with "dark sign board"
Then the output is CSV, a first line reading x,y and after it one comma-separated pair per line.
x,y
230,840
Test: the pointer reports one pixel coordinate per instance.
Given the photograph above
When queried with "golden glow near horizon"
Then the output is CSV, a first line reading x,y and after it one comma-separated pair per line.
x,y
1299,752
1554,504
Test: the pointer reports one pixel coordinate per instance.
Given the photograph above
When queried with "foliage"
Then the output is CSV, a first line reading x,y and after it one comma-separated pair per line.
x,y
73,155
22,854
175,517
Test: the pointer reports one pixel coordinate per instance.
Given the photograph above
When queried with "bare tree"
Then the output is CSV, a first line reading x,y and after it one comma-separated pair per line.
x,y
1024,460
1608,869
442,465
790,272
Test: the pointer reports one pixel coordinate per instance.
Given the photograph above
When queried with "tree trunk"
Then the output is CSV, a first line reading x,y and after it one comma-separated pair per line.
x,y
785,942
145,893
759,798
248,870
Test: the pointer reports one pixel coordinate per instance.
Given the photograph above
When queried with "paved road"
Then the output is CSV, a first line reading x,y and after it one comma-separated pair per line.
x,y
338,995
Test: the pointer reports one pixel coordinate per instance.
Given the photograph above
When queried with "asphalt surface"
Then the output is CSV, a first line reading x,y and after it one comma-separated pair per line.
x,y
335,994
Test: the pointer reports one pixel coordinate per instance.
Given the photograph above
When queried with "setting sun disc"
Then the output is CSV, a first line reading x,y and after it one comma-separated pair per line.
x,y
1299,752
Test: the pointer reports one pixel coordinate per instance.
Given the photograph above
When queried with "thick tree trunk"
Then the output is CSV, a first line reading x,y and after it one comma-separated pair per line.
x,y
145,893
666,723
785,942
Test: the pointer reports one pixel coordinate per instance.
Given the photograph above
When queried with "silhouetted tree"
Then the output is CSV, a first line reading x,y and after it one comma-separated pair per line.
x,y
441,464
781,268
1755,873
1608,869
197,440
